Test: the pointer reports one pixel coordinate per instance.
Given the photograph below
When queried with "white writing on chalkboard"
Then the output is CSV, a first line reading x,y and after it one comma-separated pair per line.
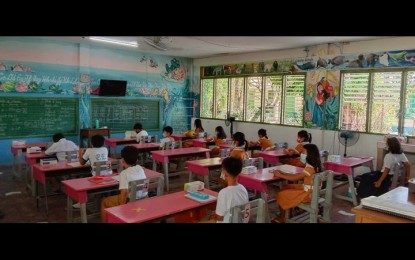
x,y
37,116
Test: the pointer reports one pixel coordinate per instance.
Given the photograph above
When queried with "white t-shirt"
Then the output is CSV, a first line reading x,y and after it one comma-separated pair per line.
x,y
228,198
132,173
94,154
142,133
390,159
59,148
165,140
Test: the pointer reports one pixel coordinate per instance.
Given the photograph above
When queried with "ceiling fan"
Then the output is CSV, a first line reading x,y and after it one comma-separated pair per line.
x,y
157,42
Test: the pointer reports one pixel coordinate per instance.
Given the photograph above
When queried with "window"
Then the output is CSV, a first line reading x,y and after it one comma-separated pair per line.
x,y
237,98
253,100
269,99
354,103
380,102
294,100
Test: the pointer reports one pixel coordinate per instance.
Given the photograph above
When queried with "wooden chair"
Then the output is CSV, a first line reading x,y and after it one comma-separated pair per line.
x,y
255,211
148,139
399,174
319,198
202,135
172,145
281,145
257,162
71,156
224,152
145,185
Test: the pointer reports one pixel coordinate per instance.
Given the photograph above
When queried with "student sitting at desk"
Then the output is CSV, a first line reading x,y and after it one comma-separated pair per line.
x,y
302,137
233,195
167,132
138,127
194,134
97,153
378,182
131,172
218,139
263,141
61,146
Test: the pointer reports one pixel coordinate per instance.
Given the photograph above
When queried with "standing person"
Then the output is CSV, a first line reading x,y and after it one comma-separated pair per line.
x,y
303,137
131,172
293,194
138,127
378,182
233,195
61,146
97,153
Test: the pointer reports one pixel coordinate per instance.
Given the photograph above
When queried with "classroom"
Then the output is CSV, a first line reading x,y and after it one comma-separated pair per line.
x,y
353,95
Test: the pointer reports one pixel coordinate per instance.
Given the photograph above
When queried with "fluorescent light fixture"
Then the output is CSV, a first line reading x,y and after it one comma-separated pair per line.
x,y
125,43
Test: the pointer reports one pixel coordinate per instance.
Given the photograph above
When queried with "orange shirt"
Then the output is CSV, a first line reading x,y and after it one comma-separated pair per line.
x,y
265,143
239,153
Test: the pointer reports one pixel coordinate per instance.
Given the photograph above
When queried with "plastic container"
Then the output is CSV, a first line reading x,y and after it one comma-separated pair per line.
x,y
97,123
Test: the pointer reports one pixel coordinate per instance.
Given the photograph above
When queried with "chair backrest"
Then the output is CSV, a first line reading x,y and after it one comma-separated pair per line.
x,y
202,135
148,139
399,174
116,165
324,155
229,141
224,152
145,185
102,168
281,145
71,156
255,211
257,162
172,145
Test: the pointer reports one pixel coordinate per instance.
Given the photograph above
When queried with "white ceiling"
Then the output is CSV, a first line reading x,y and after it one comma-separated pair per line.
x,y
202,46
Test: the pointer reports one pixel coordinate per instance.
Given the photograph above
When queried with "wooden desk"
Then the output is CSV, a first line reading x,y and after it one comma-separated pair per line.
x,y
78,190
113,142
272,157
32,159
347,166
201,142
145,148
400,194
156,208
89,132
164,156
203,167
259,180
180,137
18,150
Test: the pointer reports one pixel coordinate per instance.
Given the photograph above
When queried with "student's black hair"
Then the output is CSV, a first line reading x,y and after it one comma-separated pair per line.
x,y
58,136
394,145
304,134
232,165
198,124
130,155
168,129
138,126
221,133
240,138
313,156
97,141
263,132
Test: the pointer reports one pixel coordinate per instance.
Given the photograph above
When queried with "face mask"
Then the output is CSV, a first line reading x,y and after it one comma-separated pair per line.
x,y
164,134
303,157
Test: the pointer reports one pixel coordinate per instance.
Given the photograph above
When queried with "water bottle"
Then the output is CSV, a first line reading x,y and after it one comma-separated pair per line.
x,y
97,123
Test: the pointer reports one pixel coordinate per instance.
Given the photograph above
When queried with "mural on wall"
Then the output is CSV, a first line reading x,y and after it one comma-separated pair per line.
x,y
322,99
24,71
331,61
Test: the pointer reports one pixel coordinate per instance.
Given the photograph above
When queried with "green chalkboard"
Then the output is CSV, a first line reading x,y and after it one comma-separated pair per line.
x,y
120,114
37,116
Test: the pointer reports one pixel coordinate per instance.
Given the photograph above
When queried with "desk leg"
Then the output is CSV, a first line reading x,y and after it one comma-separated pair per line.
x,y
166,174
14,166
154,165
46,198
352,190
30,182
69,212
83,213
206,180
191,177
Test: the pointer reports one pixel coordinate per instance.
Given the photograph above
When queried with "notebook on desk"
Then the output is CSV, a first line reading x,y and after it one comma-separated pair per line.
x,y
387,206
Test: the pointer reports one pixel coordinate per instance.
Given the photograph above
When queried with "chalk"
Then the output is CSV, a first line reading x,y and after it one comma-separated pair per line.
x,y
12,193
345,213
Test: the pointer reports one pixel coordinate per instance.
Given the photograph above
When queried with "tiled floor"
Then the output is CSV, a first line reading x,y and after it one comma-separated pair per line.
x,y
21,207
